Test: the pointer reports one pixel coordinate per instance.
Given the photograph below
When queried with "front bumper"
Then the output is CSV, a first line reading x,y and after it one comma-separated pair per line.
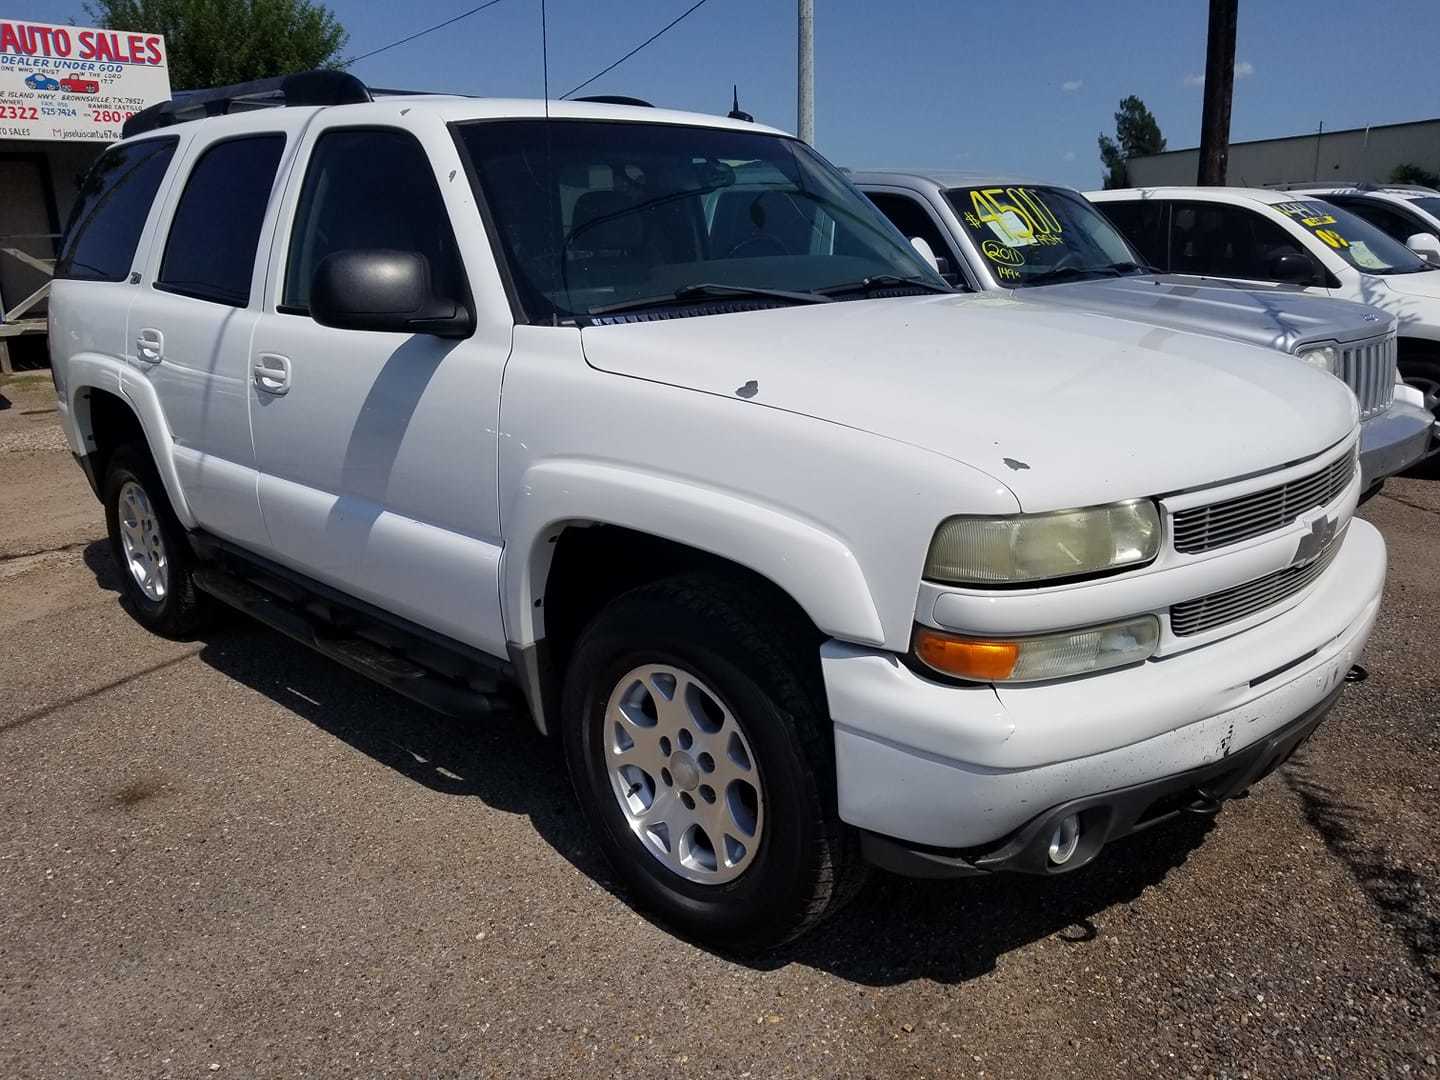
x,y
1393,441
1109,815
962,767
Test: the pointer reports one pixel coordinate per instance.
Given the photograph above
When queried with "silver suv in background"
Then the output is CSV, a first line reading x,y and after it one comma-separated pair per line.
x,y
993,233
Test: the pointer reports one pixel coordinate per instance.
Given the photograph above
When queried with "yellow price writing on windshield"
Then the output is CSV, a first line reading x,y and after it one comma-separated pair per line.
x,y
1016,213
1331,237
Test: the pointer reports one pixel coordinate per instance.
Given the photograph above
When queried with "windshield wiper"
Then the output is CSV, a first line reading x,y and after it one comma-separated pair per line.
x,y
1135,268
884,281
1068,273
705,290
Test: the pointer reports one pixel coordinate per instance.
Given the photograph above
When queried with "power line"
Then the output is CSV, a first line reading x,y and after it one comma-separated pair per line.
x,y
422,33
632,52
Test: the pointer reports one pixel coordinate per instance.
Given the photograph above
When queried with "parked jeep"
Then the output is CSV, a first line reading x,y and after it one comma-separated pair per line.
x,y
1283,239
996,233
807,560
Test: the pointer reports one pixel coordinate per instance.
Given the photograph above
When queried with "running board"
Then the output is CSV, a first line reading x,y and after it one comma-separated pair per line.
x,y
384,666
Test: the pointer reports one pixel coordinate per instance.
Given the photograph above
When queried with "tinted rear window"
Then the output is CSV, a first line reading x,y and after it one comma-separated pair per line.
x,y
210,253
111,209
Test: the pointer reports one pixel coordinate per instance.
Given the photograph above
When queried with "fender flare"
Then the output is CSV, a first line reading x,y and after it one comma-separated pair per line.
x,y
812,565
88,371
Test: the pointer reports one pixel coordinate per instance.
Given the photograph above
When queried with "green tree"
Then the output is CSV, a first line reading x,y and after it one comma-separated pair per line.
x,y
1136,134
1414,174
216,42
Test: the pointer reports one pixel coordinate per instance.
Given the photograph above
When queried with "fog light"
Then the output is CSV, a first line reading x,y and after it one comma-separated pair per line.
x,y
1064,840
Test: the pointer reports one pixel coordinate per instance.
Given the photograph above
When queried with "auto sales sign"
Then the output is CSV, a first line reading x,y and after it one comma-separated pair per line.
x,y
76,82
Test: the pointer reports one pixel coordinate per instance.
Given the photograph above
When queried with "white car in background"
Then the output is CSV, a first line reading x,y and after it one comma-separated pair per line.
x,y
1405,212
1286,239
1047,244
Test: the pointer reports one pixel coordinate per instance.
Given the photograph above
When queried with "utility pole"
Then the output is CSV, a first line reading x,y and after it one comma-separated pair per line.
x,y
805,93
1219,89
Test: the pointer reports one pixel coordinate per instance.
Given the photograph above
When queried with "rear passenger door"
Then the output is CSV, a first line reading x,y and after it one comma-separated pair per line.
x,y
377,450
191,320
1214,239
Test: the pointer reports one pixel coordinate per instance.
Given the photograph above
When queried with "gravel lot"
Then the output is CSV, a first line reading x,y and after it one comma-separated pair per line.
x,y
230,857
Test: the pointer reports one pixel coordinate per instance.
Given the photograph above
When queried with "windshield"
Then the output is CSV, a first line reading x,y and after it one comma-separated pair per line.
x,y
1040,235
597,215
1355,240
1430,204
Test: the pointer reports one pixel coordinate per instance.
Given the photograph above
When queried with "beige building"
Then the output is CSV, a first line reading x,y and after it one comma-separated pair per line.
x,y
1367,154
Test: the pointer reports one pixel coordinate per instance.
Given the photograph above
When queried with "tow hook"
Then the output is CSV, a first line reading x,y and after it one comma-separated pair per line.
x,y
1356,674
1204,804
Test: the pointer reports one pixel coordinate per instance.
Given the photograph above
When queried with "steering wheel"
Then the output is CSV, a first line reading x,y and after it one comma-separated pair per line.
x,y
759,238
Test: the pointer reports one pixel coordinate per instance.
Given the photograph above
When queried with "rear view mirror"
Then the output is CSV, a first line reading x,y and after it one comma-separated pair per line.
x,y
387,291
1292,267
1426,245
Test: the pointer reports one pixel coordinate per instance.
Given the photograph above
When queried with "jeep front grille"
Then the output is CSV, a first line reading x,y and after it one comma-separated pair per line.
x,y
1204,528
1238,601
1368,368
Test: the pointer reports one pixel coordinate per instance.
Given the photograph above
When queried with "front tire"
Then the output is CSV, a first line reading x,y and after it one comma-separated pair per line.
x,y
152,556
697,740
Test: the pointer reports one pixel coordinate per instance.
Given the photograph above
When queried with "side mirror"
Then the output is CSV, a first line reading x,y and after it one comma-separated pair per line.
x,y
1292,267
921,245
1426,245
387,291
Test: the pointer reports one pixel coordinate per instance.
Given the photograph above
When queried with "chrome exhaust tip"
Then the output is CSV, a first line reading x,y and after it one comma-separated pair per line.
x,y
1064,840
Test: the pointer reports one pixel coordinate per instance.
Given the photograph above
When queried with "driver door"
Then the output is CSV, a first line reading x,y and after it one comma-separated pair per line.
x,y
377,450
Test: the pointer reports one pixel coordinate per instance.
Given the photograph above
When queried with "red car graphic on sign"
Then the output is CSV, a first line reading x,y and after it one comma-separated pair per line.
x,y
73,84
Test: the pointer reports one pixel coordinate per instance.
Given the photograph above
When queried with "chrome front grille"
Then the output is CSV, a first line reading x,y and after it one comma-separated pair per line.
x,y
1204,528
1368,368
1238,601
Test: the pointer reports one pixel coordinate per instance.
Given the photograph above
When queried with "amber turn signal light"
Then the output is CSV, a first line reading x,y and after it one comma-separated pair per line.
x,y
966,658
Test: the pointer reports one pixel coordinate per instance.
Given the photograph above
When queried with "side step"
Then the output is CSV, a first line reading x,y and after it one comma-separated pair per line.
x,y
386,667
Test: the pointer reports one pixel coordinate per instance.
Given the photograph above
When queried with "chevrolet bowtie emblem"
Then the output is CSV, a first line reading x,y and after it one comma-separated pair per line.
x,y
1313,543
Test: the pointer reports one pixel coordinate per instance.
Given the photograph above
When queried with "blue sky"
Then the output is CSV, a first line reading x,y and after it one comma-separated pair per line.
x,y
1019,87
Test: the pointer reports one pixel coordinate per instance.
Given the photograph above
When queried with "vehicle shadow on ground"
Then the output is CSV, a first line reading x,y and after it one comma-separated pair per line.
x,y
895,931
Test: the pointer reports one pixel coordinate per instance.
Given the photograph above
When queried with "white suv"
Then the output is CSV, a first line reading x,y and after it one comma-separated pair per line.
x,y
806,559
1404,212
1287,239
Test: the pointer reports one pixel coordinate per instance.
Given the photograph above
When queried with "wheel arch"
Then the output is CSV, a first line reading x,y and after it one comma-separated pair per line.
x,y
584,532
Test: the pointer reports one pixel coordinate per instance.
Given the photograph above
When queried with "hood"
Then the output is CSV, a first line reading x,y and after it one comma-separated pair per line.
x,y
1274,318
1065,409
1426,283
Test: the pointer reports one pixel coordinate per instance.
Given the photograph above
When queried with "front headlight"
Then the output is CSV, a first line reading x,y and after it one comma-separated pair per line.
x,y
1032,659
1030,548
1324,357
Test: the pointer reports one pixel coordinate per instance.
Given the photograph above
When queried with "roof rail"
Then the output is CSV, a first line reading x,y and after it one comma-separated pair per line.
x,y
1358,185
615,99
302,88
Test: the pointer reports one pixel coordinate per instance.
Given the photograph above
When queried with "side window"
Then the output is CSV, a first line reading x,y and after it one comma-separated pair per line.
x,y
1219,240
909,215
110,211
369,189
210,253
1144,225
1394,223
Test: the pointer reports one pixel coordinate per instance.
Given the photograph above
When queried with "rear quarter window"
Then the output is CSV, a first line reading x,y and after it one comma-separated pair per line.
x,y
110,211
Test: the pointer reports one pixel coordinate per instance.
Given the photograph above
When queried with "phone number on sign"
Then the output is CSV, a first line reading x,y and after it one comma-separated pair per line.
x,y
19,112
109,116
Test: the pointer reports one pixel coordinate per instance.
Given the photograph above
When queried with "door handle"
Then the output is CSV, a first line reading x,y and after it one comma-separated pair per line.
x,y
150,346
272,373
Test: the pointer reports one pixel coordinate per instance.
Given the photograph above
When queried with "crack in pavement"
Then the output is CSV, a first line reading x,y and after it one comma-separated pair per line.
x,y
86,695
78,545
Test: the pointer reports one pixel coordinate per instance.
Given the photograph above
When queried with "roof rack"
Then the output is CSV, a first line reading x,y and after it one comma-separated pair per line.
x,y
616,99
302,88
1358,185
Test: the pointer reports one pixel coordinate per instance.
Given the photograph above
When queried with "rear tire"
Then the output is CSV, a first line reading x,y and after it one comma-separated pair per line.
x,y
690,703
152,555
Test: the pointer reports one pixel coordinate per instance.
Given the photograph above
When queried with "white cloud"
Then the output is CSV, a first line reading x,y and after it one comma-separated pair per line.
x,y
1069,155
1072,85
1243,70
